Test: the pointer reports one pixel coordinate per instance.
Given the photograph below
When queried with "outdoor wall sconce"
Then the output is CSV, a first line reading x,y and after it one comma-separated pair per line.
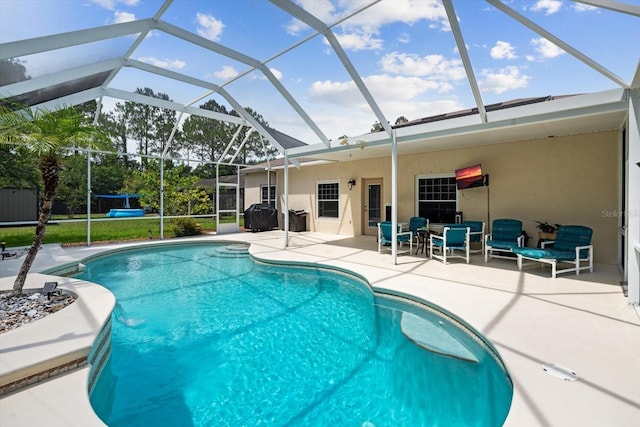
x,y
351,183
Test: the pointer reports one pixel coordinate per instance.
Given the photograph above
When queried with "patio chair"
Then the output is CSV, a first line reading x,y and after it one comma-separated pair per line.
x,y
476,235
455,237
385,238
505,235
416,223
572,246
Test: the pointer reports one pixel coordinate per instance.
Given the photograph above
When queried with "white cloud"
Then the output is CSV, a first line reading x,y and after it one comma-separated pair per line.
x,y
581,7
163,63
404,38
545,48
112,4
277,73
321,9
209,27
383,87
432,66
409,12
503,50
508,78
399,88
548,6
227,72
359,41
120,17
359,32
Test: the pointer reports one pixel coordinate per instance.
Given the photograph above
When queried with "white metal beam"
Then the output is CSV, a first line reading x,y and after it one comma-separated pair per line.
x,y
162,103
242,144
226,150
632,231
464,55
252,120
616,6
309,19
133,63
73,38
558,42
248,60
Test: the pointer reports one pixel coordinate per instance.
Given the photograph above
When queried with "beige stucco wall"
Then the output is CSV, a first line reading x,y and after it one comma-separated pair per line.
x,y
564,180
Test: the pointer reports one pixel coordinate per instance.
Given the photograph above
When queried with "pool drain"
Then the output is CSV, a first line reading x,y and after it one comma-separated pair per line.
x,y
560,372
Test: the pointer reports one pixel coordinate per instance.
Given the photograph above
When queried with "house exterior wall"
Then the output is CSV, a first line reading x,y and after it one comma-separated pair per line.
x,y
563,180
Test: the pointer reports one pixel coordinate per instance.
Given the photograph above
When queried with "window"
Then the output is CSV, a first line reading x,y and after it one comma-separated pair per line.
x,y
265,197
328,199
437,199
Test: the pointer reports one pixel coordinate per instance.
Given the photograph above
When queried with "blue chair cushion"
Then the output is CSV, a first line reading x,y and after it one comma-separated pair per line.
x,y
404,238
386,238
416,222
498,244
570,236
506,230
456,235
545,253
474,227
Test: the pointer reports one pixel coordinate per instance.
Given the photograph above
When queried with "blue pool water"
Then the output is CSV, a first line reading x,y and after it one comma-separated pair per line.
x,y
204,336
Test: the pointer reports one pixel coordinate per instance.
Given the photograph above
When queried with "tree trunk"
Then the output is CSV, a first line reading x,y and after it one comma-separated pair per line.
x,y
51,179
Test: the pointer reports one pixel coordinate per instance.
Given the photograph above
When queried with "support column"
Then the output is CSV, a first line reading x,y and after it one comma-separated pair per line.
x,y
632,241
394,197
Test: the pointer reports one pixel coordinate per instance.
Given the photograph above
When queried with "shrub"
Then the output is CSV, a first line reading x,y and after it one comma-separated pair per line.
x,y
184,227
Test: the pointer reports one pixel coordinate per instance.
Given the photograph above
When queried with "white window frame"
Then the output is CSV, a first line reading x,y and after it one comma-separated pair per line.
x,y
318,200
433,176
275,196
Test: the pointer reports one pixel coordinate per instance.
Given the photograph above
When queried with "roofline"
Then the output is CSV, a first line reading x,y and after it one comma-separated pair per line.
x,y
526,112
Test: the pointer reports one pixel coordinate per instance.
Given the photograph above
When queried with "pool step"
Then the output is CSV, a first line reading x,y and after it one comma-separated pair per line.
x,y
232,251
434,337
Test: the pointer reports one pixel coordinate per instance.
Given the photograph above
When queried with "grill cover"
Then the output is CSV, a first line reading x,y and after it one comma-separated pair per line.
x,y
260,217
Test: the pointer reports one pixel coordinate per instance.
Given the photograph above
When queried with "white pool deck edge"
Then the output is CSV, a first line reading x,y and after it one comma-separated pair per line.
x,y
580,322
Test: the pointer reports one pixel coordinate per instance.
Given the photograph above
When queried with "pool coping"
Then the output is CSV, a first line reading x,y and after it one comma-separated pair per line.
x,y
23,363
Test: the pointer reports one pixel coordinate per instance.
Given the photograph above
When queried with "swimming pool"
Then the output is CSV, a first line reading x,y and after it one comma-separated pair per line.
x,y
205,336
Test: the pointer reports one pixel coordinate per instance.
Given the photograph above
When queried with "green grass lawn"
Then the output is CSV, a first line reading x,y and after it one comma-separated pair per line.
x,y
101,231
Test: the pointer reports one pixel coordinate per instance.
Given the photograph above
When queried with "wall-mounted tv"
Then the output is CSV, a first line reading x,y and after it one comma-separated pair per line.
x,y
469,177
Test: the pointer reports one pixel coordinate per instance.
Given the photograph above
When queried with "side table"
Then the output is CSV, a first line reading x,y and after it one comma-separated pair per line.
x,y
423,238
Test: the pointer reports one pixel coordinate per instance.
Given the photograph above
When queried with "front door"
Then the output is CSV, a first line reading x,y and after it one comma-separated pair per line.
x,y
372,209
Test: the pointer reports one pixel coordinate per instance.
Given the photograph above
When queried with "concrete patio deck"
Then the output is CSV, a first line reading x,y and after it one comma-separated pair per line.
x,y
580,322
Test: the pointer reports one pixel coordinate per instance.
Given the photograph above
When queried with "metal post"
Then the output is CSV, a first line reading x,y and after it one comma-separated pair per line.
x,y
217,197
394,197
161,198
89,197
238,198
286,199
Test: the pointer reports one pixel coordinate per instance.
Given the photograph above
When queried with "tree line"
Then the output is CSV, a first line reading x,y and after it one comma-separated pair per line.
x,y
140,133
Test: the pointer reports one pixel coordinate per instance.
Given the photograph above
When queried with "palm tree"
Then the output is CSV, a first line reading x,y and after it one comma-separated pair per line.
x,y
47,134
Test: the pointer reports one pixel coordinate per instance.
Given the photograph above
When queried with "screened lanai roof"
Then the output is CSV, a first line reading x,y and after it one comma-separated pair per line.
x,y
323,72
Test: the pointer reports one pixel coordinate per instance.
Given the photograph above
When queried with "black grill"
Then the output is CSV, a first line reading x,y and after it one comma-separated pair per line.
x,y
260,217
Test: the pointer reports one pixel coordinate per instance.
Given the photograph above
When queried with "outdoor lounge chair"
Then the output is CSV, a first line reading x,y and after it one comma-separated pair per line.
x,y
455,237
385,238
572,246
505,235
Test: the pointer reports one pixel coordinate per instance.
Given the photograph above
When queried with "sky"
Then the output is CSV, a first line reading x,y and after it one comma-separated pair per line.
x,y
403,50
